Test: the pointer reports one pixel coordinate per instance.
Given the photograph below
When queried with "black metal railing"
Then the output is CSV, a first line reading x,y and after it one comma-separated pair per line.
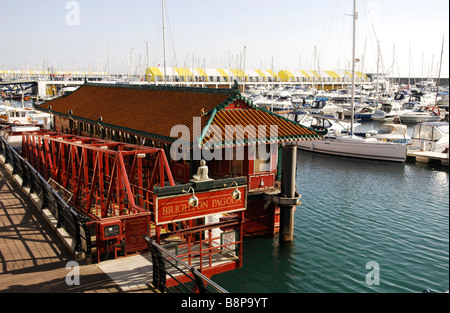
x,y
67,218
187,278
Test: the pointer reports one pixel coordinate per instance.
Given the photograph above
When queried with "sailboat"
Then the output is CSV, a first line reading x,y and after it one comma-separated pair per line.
x,y
350,145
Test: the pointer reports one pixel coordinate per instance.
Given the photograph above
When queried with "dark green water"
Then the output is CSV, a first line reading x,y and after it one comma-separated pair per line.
x,y
354,212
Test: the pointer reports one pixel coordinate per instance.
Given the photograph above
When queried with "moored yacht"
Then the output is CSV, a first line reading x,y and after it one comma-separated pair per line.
x,y
323,107
422,114
430,136
277,101
24,117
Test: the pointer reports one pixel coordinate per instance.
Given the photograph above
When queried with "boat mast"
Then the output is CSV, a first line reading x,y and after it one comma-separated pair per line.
x,y
164,41
245,53
314,80
273,78
409,67
439,76
109,61
355,17
378,72
147,68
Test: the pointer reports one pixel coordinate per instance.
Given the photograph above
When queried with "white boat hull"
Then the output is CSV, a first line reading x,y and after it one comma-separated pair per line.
x,y
13,135
357,148
419,119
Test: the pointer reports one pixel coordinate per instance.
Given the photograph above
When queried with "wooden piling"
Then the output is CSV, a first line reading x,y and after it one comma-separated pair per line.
x,y
288,190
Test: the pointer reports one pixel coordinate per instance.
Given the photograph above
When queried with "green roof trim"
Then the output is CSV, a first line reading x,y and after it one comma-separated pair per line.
x,y
205,129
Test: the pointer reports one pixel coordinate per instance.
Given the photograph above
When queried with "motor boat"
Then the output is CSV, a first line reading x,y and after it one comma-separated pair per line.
x,y
331,124
392,111
323,107
422,114
379,115
13,134
430,136
277,101
24,117
302,100
365,114
15,116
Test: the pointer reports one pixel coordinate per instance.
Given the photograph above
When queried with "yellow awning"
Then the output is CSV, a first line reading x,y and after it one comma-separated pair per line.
x,y
273,74
238,73
222,72
333,74
260,73
305,73
315,73
153,72
202,73
183,72
285,75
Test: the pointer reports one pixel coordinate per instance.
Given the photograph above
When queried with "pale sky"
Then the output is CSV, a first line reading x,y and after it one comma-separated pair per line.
x,y
77,35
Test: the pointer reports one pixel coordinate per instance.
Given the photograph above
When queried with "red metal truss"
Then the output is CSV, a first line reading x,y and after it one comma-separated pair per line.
x,y
113,184
107,178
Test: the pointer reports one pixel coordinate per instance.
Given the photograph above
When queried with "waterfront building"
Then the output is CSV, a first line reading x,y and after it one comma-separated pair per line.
x,y
155,74
148,114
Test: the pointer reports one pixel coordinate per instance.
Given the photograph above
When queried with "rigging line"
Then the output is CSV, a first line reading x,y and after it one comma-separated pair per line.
x,y
171,37
412,65
397,63
383,66
341,39
371,21
324,29
325,38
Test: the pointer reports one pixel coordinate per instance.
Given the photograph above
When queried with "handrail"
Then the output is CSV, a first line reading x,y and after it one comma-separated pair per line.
x,y
201,283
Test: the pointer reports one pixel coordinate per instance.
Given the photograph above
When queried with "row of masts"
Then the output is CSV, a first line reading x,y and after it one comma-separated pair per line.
x,y
316,57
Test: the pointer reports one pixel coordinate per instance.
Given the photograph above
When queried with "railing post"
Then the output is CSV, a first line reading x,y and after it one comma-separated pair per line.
x,y
77,232
25,174
59,215
87,238
199,282
159,268
45,196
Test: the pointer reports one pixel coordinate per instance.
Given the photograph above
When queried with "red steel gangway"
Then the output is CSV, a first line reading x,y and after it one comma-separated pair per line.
x,y
128,192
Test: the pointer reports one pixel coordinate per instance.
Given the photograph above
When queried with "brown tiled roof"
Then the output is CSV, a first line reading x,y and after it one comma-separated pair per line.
x,y
251,121
151,111
143,108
